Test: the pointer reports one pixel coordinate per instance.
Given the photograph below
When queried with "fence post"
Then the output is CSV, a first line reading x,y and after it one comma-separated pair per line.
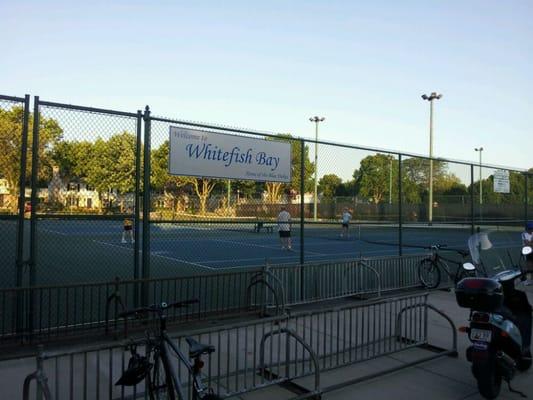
x,y
526,200
19,263
22,191
400,207
472,217
146,205
302,215
137,219
33,216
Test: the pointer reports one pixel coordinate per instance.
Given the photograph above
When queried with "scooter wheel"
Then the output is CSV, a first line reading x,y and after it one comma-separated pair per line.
x,y
489,380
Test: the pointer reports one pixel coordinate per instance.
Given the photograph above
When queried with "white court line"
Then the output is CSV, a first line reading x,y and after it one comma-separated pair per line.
x,y
259,245
296,255
80,234
54,232
158,255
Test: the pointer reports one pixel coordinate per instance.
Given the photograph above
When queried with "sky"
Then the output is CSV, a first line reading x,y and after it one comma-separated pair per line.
x,y
271,65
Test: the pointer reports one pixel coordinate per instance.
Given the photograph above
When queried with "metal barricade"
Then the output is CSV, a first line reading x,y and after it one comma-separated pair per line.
x,y
245,360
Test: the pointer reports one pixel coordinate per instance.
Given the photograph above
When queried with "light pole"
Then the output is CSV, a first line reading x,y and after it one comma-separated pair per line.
x,y
480,150
316,120
430,98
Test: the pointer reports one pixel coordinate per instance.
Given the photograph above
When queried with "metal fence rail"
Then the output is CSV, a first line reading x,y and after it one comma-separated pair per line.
x,y
260,353
60,311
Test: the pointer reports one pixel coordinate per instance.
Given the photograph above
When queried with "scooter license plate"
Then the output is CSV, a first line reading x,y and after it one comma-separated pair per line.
x,y
480,335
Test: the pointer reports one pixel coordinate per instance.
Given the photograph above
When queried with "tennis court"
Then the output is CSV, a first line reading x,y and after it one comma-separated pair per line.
x,y
84,250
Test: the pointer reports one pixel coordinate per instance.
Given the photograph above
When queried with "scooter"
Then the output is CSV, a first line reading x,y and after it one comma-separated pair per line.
x,y
500,328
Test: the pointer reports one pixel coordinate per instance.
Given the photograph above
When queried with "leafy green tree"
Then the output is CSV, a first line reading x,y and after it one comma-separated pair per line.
x,y
11,142
73,158
415,180
275,189
373,178
517,190
247,189
113,164
328,185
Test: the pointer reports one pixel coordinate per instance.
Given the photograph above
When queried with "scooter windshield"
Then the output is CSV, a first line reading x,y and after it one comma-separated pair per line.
x,y
494,253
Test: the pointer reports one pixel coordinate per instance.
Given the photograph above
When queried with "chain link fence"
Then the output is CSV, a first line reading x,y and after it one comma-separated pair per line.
x,y
93,200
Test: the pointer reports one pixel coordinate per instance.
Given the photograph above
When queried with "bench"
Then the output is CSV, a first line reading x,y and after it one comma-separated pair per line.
x,y
268,227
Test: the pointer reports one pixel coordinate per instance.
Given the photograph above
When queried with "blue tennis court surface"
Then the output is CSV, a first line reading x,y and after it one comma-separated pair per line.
x,y
81,250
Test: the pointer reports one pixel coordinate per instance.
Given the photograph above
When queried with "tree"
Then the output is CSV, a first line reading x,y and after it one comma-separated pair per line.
x,y
161,181
328,185
374,175
247,189
415,180
517,190
73,158
113,164
275,189
202,188
11,142
416,170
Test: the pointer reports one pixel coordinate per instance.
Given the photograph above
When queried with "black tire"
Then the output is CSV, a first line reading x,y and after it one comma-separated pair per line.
x,y
429,273
524,365
489,380
161,386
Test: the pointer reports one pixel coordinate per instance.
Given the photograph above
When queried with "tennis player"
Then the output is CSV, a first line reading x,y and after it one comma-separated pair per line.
x,y
346,217
284,228
128,229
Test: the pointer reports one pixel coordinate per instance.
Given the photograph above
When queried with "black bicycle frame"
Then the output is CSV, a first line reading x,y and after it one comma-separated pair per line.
x,y
166,341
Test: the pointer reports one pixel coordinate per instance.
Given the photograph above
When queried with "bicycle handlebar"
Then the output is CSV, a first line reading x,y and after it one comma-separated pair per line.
x,y
463,253
157,308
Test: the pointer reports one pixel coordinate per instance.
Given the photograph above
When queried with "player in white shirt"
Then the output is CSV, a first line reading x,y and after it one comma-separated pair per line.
x,y
284,228
346,217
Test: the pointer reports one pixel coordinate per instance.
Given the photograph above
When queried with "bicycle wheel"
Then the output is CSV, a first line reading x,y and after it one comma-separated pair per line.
x,y
160,385
429,273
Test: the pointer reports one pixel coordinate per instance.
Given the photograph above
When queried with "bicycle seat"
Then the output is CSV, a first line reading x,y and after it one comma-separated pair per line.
x,y
197,349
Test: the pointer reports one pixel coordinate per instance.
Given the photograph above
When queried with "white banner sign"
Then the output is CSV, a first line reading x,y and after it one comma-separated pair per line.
x,y
216,155
501,181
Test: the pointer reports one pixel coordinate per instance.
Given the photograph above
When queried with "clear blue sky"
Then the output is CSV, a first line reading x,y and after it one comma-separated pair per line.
x,y
271,65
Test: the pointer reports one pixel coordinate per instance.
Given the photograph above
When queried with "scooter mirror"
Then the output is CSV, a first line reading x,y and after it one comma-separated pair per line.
x,y
527,250
469,266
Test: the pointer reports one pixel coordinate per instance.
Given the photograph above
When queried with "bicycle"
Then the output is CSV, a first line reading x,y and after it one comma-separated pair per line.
x,y
156,367
429,269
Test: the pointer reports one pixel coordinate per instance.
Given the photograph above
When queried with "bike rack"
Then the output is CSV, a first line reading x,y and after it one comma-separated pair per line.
x,y
442,352
278,292
117,299
43,391
316,393
362,263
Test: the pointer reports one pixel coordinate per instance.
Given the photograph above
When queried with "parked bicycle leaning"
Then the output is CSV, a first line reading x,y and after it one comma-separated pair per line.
x,y
429,269
157,368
